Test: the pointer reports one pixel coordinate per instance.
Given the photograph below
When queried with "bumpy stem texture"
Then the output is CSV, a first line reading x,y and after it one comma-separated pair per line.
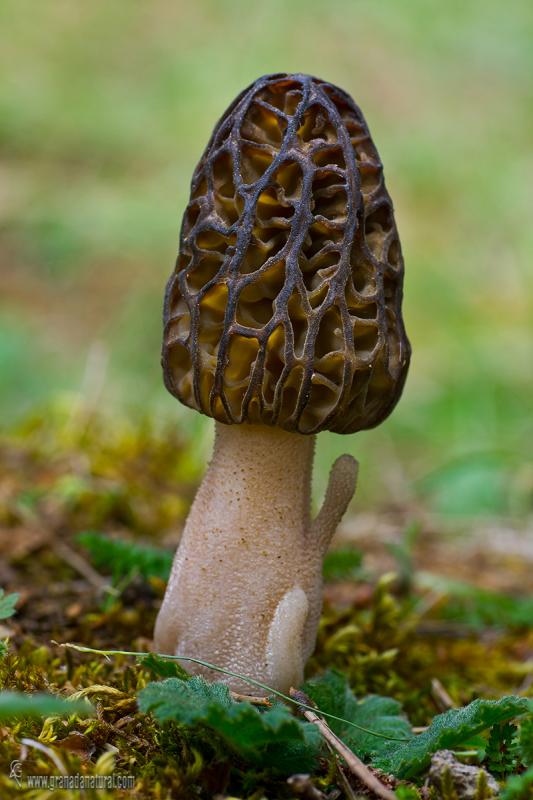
x,y
245,591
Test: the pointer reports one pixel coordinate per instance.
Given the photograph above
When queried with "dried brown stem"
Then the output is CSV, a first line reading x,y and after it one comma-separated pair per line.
x,y
248,698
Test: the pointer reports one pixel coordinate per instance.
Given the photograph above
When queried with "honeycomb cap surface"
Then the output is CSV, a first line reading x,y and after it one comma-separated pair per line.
x,y
284,307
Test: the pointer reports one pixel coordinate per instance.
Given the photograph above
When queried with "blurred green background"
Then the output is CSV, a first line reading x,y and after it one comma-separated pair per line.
x,y
105,109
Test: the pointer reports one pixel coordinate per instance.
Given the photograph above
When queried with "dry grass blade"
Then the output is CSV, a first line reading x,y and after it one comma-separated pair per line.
x,y
52,755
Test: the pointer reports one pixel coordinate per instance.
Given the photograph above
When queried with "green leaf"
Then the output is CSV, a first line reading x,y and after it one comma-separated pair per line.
x,y
331,693
404,792
7,604
501,755
525,741
477,607
19,704
123,558
271,738
518,787
475,484
163,667
446,732
343,564
403,553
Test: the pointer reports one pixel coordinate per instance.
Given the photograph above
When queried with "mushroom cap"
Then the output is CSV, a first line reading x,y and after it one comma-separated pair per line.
x,y
284,307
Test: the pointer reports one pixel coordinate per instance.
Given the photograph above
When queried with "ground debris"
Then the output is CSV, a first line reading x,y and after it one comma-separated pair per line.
x,y
447,775
386,633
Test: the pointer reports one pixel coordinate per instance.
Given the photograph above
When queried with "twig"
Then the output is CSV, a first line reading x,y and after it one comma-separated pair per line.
x,y
355,765
450,630
248,698
440,696
526,684
77,562
348,788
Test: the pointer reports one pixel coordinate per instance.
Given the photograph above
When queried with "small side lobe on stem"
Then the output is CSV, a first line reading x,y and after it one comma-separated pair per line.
x,y
341,488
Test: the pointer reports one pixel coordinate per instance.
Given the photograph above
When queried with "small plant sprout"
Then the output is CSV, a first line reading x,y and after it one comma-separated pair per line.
x,y
282,319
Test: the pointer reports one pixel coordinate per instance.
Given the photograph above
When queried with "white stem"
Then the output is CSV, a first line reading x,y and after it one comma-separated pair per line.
x,y
246,588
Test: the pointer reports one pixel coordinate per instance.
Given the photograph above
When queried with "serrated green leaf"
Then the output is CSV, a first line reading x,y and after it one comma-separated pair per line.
x,y
332,693
7,604
271,738
446,732
19,704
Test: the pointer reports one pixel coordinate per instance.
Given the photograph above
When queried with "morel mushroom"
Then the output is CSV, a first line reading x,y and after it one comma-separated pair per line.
x,y
282,319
